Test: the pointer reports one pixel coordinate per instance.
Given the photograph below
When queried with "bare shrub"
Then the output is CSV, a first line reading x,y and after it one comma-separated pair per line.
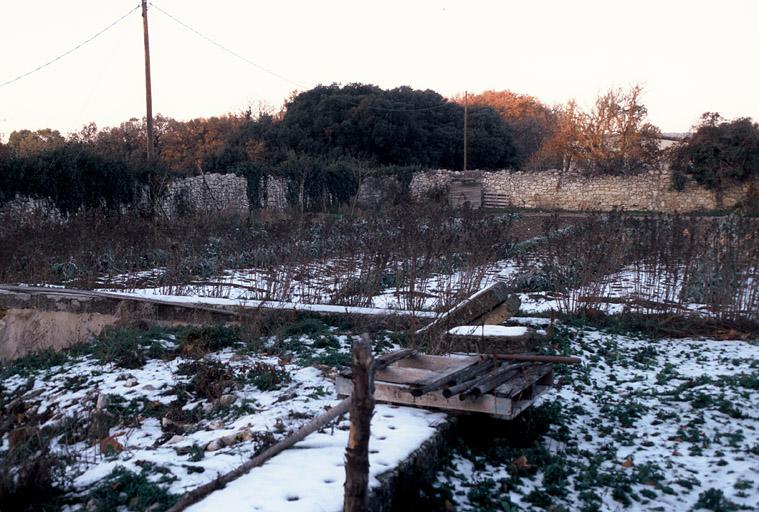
x,y
653,265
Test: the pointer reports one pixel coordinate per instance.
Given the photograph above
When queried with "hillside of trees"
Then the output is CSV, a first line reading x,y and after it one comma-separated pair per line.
x,y
325,138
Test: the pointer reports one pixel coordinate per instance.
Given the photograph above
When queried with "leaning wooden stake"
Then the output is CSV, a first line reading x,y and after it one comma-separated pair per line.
x,y
361,410
312,426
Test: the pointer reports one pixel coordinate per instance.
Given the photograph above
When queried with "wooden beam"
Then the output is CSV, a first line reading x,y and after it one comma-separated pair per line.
x,y
489,382
530,376
468,310
536,358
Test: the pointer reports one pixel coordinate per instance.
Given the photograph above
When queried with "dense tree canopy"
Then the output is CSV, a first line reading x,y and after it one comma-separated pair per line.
x,y
531,123
718,152
401,126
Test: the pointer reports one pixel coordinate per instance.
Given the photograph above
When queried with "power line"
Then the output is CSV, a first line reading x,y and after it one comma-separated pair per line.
x,y
72,50
231,52
273,73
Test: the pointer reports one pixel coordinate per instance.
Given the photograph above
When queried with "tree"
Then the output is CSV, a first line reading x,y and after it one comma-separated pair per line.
x,y
24,143
530,122
184,146
614,137
401,126
718,153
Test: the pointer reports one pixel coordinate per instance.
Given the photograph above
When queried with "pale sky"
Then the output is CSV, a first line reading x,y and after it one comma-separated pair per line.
x,y
690,56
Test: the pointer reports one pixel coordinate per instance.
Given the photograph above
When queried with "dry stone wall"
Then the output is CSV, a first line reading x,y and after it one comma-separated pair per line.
x,y
209,193
275,193
651,191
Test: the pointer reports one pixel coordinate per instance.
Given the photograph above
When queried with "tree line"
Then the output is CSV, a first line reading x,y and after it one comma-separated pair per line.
x,y
325,139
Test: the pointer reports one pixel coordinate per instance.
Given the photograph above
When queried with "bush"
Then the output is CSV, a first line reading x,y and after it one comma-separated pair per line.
x,y
719,153
73,176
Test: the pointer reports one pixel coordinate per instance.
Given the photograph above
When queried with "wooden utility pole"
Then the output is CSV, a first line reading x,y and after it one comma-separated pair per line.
x,y
466,115
361,410
148,91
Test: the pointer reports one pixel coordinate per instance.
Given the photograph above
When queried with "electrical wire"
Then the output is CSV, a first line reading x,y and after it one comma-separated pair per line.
x,y
72,50
282,77
228,50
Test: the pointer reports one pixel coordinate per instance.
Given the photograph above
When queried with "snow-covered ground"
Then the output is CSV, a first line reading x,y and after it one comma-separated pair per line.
x,y
181,420
641,425
640,287
309,477
326,283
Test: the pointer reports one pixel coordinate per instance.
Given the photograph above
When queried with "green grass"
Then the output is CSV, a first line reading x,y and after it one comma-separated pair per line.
x,y
124,489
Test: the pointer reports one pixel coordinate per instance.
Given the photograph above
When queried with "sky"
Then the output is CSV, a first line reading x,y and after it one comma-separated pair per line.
x,y
689,56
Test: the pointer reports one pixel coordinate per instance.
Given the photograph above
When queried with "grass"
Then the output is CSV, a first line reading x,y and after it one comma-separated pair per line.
x,y
32,363
267,377
125,489
603,439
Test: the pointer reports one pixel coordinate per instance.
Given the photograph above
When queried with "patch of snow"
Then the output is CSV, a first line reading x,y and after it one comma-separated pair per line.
x,y
309,477
488,330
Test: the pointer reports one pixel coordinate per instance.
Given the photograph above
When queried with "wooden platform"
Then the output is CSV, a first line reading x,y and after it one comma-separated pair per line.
x,y
399,382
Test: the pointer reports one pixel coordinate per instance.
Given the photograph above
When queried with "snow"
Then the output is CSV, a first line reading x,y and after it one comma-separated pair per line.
x,y
310,476
155,294
488,330
685,407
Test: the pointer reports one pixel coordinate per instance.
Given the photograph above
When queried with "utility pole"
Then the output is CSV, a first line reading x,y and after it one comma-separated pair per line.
x,y
148,91
466,115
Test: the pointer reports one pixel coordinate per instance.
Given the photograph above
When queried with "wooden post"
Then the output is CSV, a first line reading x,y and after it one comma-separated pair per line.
x,y
361,410
148,86
466,115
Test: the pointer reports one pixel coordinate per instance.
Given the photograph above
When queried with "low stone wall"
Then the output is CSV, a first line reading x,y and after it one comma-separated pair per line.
x,y
210,193
650,191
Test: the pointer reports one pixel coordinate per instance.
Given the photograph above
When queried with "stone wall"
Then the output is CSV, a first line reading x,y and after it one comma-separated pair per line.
x,y
209,193
649,191
275,193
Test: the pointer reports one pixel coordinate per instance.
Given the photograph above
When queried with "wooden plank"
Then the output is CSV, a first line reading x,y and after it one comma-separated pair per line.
x,y
385,360
405,375
437,363
475,306
398,394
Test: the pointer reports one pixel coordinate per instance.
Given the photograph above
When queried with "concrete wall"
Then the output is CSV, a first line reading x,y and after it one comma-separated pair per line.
x,y
649,191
